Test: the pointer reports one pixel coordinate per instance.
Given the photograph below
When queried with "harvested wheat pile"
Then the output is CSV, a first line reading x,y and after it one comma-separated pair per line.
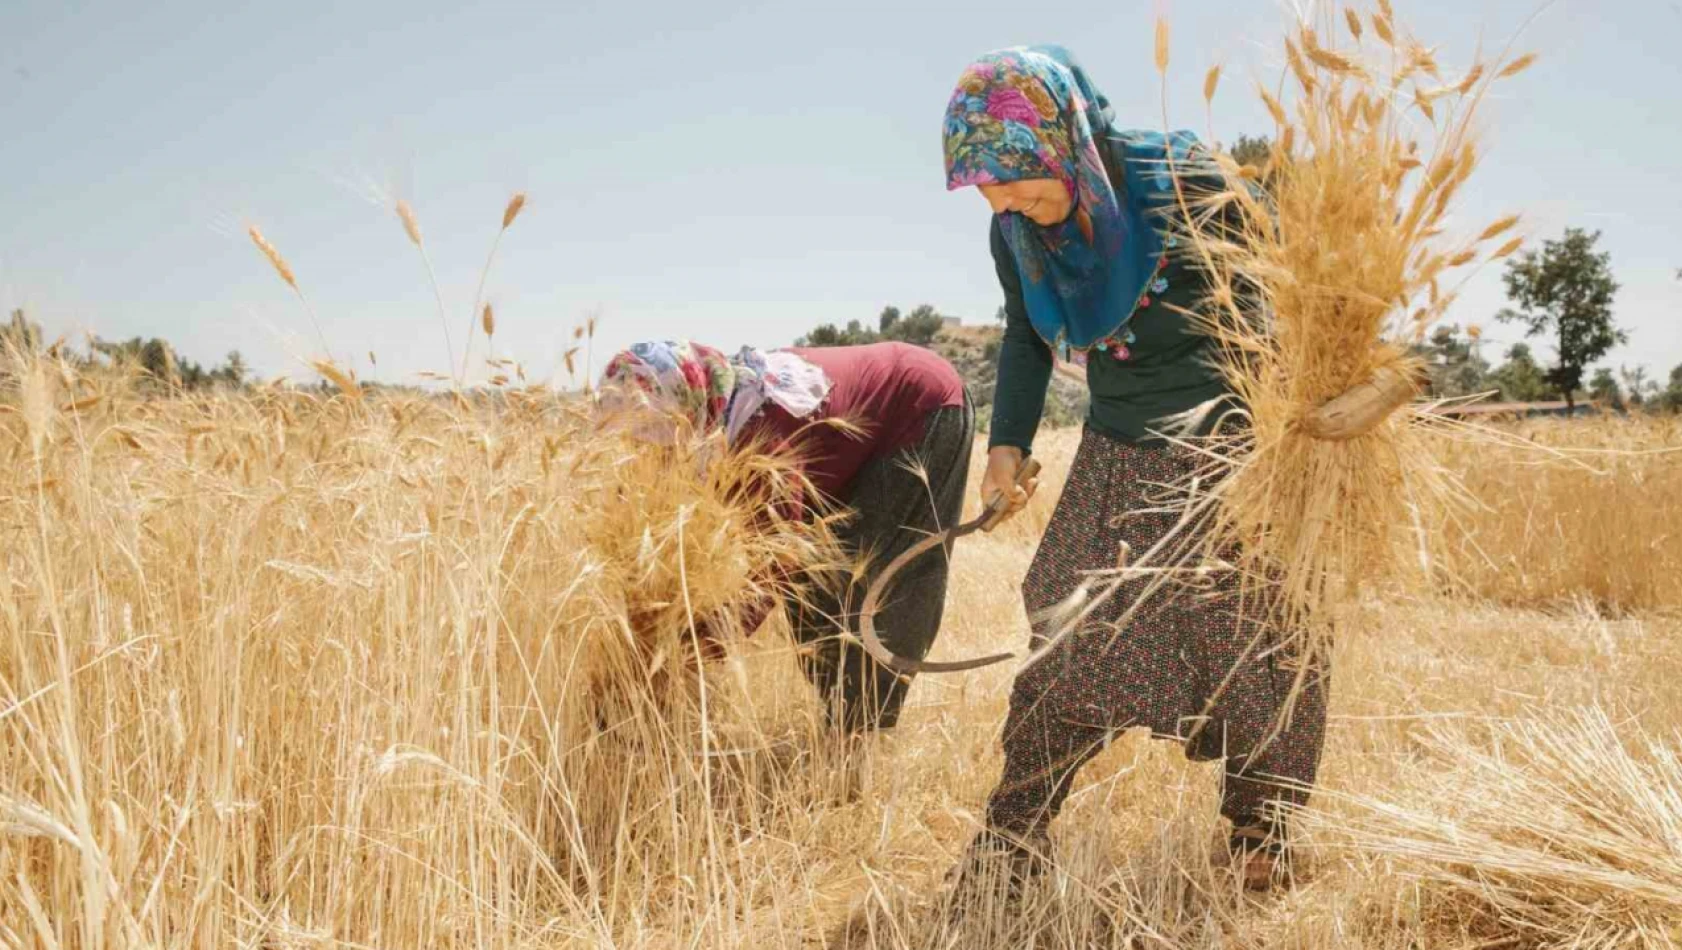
x,y
1563,831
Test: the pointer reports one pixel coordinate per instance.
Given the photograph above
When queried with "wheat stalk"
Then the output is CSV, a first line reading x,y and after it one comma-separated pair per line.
x,y
509,213
285,271
411,227
1318,517
1517,66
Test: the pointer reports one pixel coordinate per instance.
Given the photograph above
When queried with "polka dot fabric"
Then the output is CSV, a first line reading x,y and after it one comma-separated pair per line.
x,y
1188,666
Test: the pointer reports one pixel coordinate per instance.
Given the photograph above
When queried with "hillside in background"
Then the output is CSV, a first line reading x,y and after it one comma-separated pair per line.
x,y
974,351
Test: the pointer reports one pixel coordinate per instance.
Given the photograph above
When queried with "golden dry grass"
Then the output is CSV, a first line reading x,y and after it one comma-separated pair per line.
x,y
394,669
282,671
286,671
1597,521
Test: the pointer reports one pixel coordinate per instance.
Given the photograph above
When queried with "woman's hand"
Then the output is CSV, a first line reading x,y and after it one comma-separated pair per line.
x,y
1362,407
1003,461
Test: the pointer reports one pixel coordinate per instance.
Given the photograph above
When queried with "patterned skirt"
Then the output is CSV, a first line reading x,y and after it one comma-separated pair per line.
x,y
1188,664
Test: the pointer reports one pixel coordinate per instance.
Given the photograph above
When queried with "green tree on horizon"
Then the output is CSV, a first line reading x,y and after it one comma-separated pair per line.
x,y
1453,364
1671,398
1603,388
154,357
918,328
1566,289
1520,378
1638,389
1251,150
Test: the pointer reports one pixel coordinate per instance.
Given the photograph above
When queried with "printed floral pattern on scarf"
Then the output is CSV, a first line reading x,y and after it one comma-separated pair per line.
x,y
691,378
1029,113
797,385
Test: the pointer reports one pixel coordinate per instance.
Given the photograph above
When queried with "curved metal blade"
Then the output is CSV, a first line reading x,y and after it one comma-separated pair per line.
x,y
873,644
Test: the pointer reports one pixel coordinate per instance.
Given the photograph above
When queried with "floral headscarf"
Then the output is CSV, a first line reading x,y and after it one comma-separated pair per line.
x,y
777,376
1032,112
690,378
711,390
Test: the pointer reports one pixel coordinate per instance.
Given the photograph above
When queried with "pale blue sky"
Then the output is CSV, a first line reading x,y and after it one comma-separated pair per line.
x,y
734,172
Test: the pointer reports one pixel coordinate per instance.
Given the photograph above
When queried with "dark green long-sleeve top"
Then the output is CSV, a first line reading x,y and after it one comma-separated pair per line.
x,y
1170,369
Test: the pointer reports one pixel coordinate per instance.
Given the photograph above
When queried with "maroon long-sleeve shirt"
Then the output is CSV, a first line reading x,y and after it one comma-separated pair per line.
x,y
886,390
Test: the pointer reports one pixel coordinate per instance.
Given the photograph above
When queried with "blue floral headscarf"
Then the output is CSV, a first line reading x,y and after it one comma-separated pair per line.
x,y
1032,112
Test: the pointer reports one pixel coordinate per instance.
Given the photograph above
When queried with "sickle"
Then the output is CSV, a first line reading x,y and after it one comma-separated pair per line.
x,y
873,597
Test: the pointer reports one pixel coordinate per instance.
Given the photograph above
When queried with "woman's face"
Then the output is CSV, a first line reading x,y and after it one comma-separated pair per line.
x,y
1044,201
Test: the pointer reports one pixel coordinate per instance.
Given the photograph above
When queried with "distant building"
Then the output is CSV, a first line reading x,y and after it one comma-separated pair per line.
x,y
946,321
1519,410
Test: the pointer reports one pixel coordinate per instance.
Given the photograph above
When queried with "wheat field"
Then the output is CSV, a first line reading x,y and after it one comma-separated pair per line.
x,y
292,670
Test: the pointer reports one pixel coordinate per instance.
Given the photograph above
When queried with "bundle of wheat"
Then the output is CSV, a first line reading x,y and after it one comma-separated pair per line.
x,y
1558,832
1341,241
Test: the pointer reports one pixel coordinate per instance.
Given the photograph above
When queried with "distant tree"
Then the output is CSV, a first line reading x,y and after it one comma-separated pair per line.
x,y
1520,379
918,327
1255,151
1000,315
153,357
1566,289
1251,150
1638,389
1671,398
234,371
824,334
828,334
18,336
1603,388
157,360
20,333
1454,367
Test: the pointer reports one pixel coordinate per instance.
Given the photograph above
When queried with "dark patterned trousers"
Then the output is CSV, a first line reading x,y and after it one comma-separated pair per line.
x,y
1189,664
894,508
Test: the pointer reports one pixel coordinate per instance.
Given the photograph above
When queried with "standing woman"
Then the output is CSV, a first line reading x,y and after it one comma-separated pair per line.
x,y
1089,268
907,418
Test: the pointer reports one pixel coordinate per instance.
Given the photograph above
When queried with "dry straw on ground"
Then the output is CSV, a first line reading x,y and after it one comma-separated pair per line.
x,y
1567,511
291,671
1562,831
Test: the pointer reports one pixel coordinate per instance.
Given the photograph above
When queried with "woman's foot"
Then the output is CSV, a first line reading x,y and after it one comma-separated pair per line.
x,y
1259,857
999,866
1260,871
